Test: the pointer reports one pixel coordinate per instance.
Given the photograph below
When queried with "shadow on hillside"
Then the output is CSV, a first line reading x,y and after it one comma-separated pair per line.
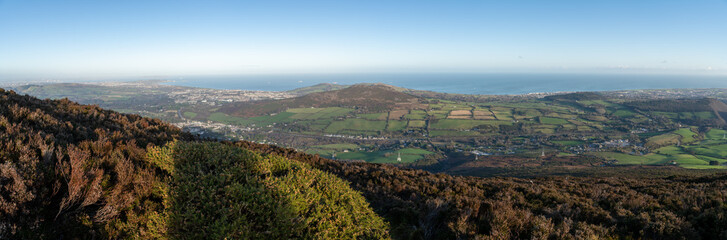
x,y
213,196
220,191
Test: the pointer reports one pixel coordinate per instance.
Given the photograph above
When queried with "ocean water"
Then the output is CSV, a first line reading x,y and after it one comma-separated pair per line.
x,y
462,83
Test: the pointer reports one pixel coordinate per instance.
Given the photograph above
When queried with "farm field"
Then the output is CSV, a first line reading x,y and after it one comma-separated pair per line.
x,y
408,155
357,125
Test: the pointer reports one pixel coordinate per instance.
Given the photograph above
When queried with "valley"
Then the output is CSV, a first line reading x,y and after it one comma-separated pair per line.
x,y
441,132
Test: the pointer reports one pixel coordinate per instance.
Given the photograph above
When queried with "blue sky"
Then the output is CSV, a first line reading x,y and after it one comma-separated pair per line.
x,y
142,38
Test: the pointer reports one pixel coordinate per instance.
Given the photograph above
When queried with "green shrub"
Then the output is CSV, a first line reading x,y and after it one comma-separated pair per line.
x,y
223,191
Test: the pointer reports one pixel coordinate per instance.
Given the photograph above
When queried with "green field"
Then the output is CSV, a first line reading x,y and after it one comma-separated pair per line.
x,y
463,124
714,151
417,124
568,142
550,120
227,119
408,155
395,125
372,116
276,118
687,135
704,115
356,125
190,114
627,159
624,113
664,156
716,134
416,115
661,140
338,146
318,113
440,133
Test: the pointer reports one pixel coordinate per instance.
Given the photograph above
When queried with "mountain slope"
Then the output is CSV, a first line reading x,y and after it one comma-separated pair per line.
x,y
321,87
422,205
221,191
75,171
718,107
67,169
362,97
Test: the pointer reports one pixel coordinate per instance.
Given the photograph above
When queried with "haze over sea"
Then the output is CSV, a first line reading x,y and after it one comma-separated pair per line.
x,y
463,83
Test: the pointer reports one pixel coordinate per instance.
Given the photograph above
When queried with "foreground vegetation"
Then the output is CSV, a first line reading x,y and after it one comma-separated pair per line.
x,y
73,171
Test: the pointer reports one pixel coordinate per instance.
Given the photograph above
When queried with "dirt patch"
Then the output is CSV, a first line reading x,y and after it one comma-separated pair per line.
x,y
482,113
460,113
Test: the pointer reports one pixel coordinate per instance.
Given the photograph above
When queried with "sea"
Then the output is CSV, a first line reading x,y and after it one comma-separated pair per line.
x,y
490,84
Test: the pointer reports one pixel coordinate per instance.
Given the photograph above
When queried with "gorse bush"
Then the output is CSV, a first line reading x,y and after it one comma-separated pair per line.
x,y
222,191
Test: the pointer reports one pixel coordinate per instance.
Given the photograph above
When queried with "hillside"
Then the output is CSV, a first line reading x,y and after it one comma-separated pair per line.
x,y
718,107
321,87
74,171
365,98
422,205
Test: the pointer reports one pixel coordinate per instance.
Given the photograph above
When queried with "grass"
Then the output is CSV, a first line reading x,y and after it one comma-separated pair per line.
x,y
227,119
665,155
356,125
408,155
318,113
715,151
670,115
190,114
704,115
416,115
688,159
304,110
550,120
277,118
462,124
661,140
338,146
669,150
627,159
396,125
687,135
715,134
568,142
372,116
417,124
439,133
624,113
596,102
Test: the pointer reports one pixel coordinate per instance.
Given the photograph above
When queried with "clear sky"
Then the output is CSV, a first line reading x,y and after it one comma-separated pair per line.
x,y
67,38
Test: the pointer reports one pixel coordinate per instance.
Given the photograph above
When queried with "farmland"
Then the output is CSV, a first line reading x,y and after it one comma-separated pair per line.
x,y
666,143
374,121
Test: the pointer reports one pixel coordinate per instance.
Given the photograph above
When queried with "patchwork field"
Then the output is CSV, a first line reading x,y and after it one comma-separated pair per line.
x,y
356,124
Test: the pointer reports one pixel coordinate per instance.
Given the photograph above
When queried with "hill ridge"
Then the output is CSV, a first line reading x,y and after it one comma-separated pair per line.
x,y
359,96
